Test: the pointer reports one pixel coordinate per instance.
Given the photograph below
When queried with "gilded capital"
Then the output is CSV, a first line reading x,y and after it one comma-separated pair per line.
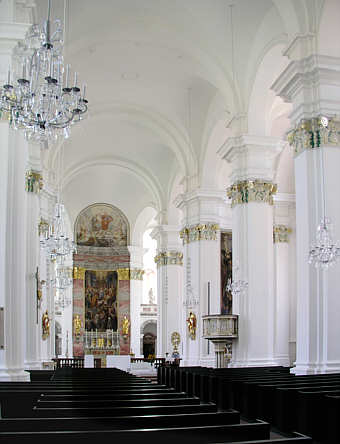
x,y
33,181
79,273
136,274
123,274
313,133
247,191
199,232
169,258
281,233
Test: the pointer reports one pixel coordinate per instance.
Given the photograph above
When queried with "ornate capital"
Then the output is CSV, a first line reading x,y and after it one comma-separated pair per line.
x,y
313,133
251,191
136,274
123,274
79,273
33,181
281,233
43,226
199,232
169,258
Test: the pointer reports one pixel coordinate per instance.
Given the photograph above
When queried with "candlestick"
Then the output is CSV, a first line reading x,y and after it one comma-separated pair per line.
x,y
67,74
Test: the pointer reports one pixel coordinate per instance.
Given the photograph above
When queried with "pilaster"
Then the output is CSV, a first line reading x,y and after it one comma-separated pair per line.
x,y
136,293
33,186
203,210
169,260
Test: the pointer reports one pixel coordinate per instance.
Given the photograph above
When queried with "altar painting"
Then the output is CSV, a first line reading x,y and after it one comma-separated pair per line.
x,y
101,225
101,305
226,272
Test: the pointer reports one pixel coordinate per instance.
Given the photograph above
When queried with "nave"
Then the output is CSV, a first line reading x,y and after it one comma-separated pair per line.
x,y
189,404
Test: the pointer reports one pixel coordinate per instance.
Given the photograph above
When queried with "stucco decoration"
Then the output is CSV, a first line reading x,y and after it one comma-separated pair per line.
x,y
102,225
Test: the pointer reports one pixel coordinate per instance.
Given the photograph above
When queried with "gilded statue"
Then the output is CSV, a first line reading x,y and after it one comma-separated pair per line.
x,y
77,325
191,323
125,326
45,325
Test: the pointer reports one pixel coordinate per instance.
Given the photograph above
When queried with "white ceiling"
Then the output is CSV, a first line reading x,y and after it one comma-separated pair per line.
x,y
144,62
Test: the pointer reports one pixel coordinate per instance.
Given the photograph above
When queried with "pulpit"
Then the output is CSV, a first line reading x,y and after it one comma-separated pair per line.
x,y
221,330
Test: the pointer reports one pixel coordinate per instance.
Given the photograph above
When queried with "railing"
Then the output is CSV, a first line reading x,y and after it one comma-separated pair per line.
x,y
220,326
69,362
102,340
157,362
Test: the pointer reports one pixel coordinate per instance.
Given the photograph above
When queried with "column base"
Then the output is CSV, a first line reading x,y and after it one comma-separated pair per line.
x,y
254,363
33,365
8,375
282,360
191,362
312,369
207,361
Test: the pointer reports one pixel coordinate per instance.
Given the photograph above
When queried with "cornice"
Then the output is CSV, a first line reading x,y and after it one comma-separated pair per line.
x,y
233,146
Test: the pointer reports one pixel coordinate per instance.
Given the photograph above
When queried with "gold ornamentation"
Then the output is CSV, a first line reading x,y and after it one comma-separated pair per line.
x,y
43,227
175,341
247,191
199,232
169,258
123,274
125,327
313,133
77,326
136,274
39,284
191,324
281,233
45,322
79,273
33,181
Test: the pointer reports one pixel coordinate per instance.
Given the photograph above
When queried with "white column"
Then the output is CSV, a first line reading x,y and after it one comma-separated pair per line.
x,y
136,294
15,258
253,161
312,84
169,261
11,361
33,185
202,210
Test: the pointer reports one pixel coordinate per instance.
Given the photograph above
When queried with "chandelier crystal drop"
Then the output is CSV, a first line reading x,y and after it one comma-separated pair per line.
x,y
63,277
39,97
56,243
324,253
236,287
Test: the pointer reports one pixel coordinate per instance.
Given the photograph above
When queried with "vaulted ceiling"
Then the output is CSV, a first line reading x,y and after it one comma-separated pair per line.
x,y
160,79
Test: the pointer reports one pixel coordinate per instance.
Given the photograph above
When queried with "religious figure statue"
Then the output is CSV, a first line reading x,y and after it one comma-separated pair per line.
x,y
191,323
151,297
45,325
125,326
77,326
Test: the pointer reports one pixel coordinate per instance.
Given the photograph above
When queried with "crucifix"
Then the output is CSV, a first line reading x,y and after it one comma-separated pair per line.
x,y
39,293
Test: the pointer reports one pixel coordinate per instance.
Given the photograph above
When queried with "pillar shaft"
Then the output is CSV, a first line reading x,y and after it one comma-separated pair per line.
x,y
311,83
253,161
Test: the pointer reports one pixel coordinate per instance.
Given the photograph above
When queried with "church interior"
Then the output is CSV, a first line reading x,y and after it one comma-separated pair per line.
x,y
169,220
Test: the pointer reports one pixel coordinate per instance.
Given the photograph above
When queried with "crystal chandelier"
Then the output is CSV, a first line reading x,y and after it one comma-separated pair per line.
x,y
236,287
56,242
325,252
40,99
